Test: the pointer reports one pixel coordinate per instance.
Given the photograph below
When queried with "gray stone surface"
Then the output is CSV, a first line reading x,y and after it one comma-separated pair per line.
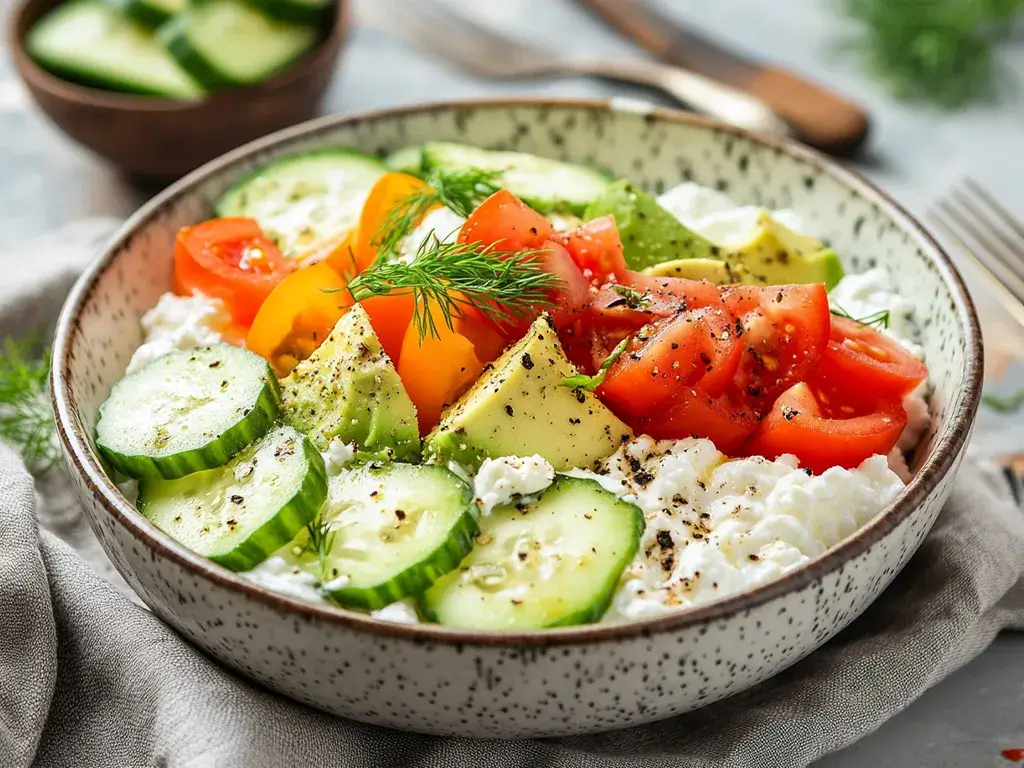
x,y
46,181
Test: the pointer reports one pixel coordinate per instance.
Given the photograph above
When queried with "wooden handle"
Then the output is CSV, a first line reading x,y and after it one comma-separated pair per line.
x,y
820,117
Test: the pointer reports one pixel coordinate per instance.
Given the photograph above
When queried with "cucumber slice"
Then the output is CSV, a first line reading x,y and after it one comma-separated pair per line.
x,y
296,11
397,529
552,563
149,13
241,513
304,201
407,160
226,43
546,185
187,411
88,42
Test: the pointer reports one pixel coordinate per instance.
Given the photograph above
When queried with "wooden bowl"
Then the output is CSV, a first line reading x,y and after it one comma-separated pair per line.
x,y
163,139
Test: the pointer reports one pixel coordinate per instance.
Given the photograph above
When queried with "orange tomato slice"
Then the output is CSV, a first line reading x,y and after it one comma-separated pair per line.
x,y
297,316
386,196
229,259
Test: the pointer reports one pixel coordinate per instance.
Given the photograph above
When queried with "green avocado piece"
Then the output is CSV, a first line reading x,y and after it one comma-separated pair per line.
x,y
518,408
776,255
716,271
650,234
349,389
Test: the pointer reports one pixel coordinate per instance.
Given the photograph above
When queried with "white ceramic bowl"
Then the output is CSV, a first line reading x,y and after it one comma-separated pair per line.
x,y
581,679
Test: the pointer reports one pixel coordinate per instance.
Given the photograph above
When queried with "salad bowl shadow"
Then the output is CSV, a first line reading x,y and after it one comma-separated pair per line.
x,y
433,679
159,140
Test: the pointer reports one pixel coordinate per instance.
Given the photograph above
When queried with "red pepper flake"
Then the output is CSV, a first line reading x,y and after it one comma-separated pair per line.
x,y
1014,755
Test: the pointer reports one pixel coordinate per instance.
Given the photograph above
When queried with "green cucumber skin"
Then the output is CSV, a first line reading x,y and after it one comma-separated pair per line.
x,y
174,36
252,426
419,576
72,75
295,13
141,13
399,161
295,515
227,204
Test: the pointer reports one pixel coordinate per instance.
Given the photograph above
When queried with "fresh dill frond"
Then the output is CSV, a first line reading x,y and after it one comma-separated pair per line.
x,y
443,277
936,51
590,383
459,191
878,319
26,418
634,299
1008,404
320,543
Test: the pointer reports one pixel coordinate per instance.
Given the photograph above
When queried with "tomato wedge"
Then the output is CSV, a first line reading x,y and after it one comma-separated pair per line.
x,y
671,291
827,431
297,316
229,259
597,249
694,349
783,330
723,420
390,316
868,360
507,223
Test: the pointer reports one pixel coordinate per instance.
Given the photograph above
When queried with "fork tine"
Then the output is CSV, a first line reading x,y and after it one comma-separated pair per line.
x,y
1011,302
1013,255
1004,215
984,249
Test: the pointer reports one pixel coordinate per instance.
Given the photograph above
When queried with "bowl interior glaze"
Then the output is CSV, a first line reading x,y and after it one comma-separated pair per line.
x,y
99,326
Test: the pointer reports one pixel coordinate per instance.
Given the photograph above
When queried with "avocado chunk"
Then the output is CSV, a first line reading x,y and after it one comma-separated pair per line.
x,y
716,271
650,234
518,408
349,389
776,255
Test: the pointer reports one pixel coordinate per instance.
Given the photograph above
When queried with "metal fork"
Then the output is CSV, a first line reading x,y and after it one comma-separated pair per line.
x,y
480,51
993,239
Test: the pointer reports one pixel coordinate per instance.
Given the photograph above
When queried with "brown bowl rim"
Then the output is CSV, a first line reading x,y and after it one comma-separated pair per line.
x,y
950,443
84,96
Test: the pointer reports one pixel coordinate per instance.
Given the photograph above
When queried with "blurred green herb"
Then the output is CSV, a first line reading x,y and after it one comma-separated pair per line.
x,y
938,51
26,419
1008,404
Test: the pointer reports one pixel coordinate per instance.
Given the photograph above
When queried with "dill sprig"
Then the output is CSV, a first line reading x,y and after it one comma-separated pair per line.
x,y
938,51
1008,404
26,418
634,299
878,319
445,277
590,383
321,541
460,191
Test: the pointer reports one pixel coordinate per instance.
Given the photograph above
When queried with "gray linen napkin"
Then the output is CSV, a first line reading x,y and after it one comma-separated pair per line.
x,y
89,678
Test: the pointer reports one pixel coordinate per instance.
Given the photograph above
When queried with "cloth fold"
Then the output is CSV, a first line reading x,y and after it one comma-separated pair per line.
x,y
87,677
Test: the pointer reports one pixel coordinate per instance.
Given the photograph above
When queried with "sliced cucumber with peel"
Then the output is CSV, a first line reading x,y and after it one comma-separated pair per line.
x,y
149,13
187,411
241,513
546,185
303,201
551,563
89,42
228,43
407,160
296,11
397,528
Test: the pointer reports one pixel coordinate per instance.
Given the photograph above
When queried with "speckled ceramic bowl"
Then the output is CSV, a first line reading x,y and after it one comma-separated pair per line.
x,y
582,679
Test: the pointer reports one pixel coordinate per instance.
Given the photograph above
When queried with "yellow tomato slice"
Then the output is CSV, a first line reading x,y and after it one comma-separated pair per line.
x,y
386,196
298,315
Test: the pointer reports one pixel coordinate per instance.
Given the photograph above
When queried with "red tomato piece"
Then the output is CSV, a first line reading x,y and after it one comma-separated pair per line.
x,y
507,223
723,420
597,249
827,431
229,259
672,290
783,330
694,349
864,359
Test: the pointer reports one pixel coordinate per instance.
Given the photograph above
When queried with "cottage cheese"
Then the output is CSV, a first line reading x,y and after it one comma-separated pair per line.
x,y
441,223
499,481
718,218
288,571
401,612
180,322
868,293
338,455
716,527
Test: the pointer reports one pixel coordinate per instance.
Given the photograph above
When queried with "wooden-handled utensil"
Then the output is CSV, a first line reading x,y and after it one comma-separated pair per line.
x,y
819,117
